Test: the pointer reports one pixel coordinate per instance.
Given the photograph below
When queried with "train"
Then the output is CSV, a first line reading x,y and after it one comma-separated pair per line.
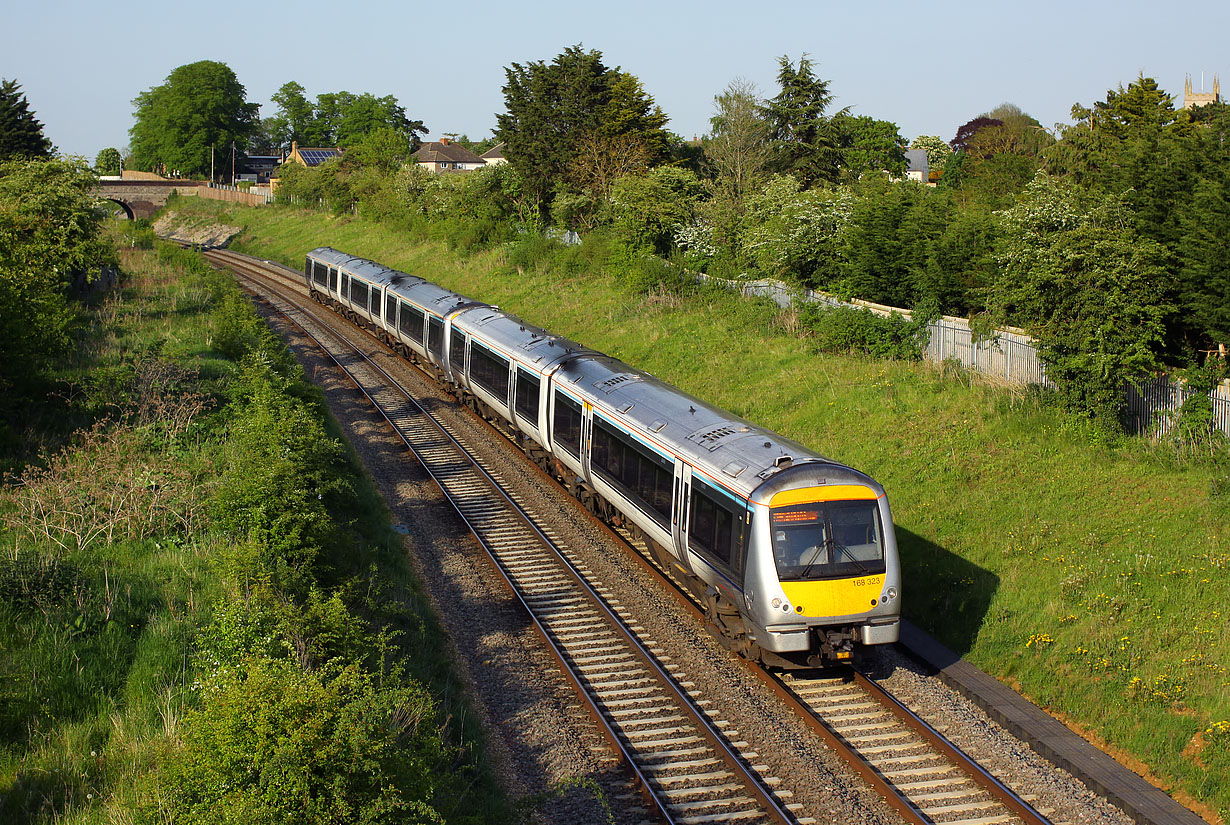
x,y
792,556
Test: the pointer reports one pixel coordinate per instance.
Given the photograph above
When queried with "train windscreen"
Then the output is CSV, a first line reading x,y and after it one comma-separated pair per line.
x,y
827,540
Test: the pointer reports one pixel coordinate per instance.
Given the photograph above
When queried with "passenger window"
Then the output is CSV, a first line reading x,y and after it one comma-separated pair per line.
x,y
528,387
640,473
457,351
566,429
435,336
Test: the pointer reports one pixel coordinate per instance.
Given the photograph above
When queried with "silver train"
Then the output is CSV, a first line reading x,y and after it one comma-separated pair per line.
x,y
793,555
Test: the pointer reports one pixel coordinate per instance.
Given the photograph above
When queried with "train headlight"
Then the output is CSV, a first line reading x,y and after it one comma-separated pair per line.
x,y
776,603
890,594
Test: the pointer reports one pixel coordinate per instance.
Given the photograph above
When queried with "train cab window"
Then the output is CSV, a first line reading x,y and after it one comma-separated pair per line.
x,y
716,524
827,540
489,371
390,309
410,322
332,280
528,387
566,429
639,472
435,336
457,351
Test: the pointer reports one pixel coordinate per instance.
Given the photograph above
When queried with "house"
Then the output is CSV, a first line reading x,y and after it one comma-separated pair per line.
x,y
445,156
258,168
917,167
495,155
311,156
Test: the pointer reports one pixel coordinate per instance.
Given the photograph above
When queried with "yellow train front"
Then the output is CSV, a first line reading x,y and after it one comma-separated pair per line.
x,y
822,573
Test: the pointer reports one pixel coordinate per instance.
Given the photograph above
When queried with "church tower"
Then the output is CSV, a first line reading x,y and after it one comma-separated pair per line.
x,y
1193,99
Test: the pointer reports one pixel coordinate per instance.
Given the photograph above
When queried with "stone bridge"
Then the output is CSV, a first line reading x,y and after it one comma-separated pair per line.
x,y
142,198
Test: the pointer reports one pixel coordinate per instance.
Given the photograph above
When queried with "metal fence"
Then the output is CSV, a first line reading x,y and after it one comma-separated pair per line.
x,y
1009,355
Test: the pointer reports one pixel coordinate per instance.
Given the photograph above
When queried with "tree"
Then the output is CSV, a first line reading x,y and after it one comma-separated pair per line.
x,y
937,150
294,119
201,109
795,234
549,108
109,162
1079,277
21,135
967,131
736,155
804,142
649,209
49,233
337,118
869,145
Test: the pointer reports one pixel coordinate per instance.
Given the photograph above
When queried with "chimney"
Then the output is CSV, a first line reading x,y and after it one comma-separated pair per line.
x,y
444,141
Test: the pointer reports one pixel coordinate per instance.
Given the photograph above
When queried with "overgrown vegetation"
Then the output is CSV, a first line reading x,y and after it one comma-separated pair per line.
x,y
204,614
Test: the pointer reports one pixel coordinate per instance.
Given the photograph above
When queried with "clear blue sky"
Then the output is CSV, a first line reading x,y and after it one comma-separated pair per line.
x,y
928,67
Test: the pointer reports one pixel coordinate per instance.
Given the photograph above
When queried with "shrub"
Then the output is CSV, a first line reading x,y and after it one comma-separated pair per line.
x,y
849,330
272,743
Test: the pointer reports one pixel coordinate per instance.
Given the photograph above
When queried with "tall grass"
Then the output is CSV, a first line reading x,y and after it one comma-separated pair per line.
x,y
112,557
1090,572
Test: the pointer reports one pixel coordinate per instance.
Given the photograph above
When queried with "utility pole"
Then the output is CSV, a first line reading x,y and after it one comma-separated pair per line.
x,y
211,165
232,163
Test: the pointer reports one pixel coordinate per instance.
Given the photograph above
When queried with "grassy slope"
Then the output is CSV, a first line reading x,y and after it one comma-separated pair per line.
x,y
94,682
1089,576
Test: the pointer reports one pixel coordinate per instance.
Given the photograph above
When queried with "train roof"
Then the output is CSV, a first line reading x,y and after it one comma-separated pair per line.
x,y
368,270
525,342
730,450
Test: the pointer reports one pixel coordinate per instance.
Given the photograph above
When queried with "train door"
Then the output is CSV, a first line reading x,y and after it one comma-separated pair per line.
x,y
681,512
333,280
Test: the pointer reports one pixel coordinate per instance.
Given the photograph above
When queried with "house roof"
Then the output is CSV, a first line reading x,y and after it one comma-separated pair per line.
x,y
437,152
494,152
318,155
916,160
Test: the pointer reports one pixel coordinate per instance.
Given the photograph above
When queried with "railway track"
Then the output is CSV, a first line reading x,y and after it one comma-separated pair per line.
x,y
686,759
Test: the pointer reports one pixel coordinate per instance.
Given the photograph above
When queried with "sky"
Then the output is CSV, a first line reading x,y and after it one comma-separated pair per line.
x,y
928,67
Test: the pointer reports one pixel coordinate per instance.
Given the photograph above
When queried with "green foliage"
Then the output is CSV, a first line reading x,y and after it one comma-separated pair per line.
x,y
283,475
869,145
796,235
108,161
273,743
886,245
1080,279
849,331
21,135
804,142
552,109
202,107
648,209
49,234
737,154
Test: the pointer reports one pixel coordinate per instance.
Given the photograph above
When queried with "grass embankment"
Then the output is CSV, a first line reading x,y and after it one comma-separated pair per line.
x,y
1090,573
204,615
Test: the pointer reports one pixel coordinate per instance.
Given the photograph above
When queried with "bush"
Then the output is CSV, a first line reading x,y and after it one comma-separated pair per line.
x,y
847,330
285,471
272,743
